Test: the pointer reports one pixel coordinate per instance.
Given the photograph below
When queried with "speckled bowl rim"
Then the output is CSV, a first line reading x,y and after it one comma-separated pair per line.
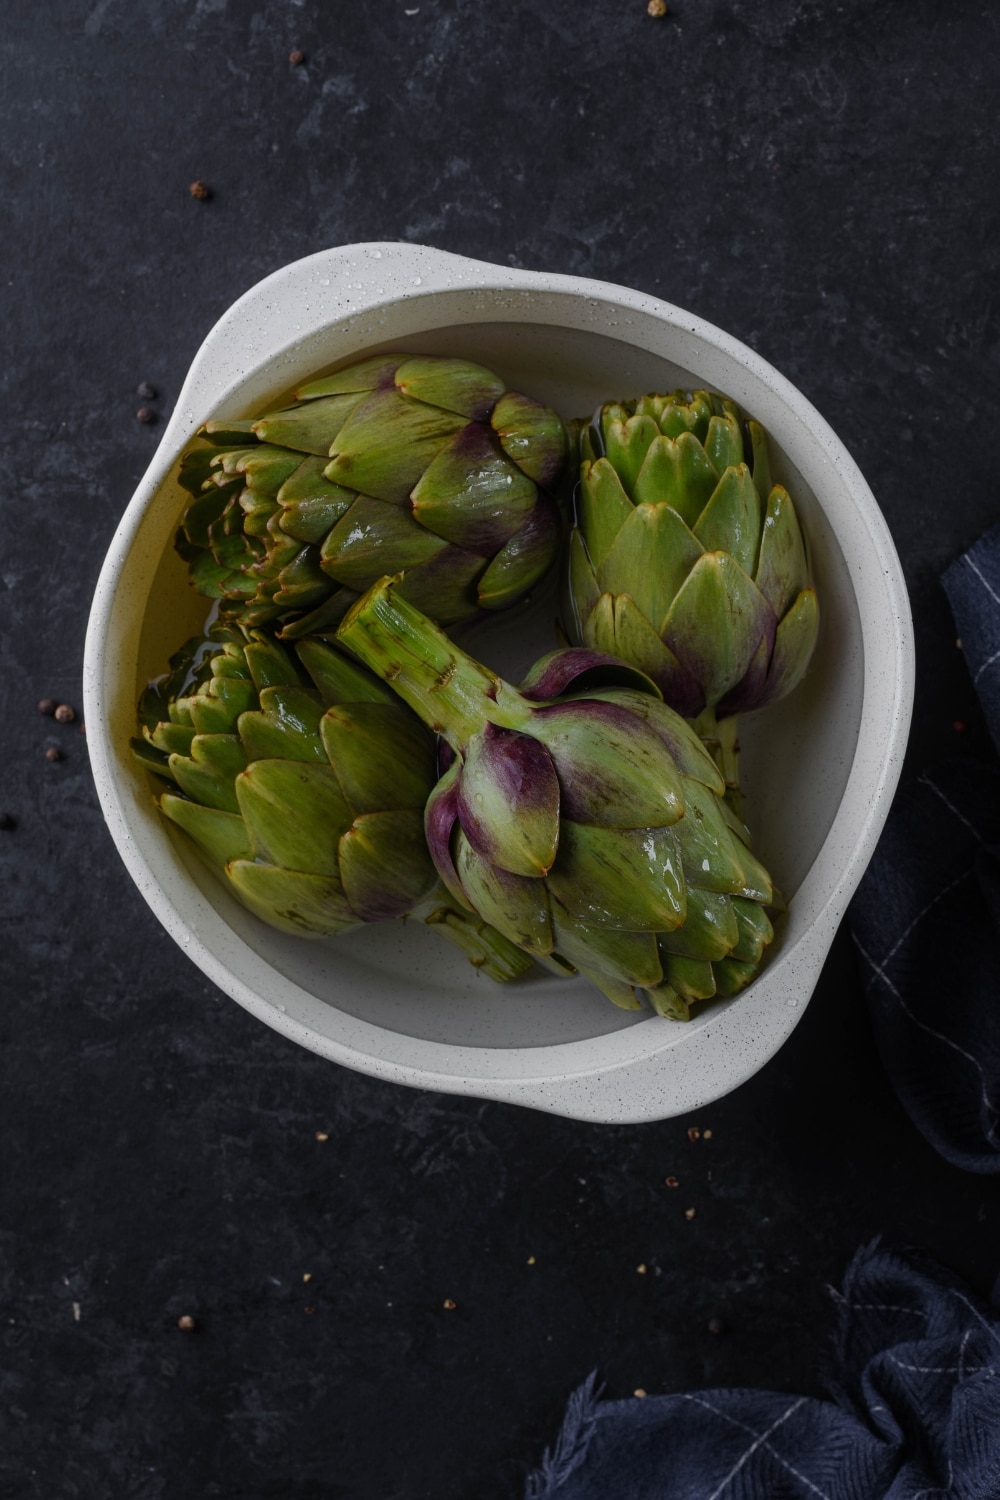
x,y
647,1071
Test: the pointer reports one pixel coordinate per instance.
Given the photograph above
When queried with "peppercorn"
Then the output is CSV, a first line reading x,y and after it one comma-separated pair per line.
x,y
146,391
296,58
47,706
186,1323
145,414
200,190
64,714
53,753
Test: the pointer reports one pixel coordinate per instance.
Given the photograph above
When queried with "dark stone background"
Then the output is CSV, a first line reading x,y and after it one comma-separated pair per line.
x,y
820,179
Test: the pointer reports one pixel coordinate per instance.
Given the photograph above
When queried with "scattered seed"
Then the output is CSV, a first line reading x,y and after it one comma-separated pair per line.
x,y
958,642
449,1305
656,8
200,190
706,1135
689,1213
145,414
321,1135
296,58
47,706
64,714
639,1392
186,1323
310,1309
959,726
53,753
145,391
671,1181
641,1270
716,1325
694,1133
6,822
531,1260
307,1276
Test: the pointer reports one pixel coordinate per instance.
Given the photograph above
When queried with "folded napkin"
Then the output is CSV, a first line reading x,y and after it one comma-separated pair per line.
x,y
915,1412
926,917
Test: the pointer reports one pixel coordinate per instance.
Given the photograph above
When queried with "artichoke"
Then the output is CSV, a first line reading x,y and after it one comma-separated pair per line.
x,y
401,462
580,816
303,780
685,560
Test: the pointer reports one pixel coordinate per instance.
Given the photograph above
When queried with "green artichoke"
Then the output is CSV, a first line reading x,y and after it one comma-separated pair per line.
x,y
580,816
303,780
685,560
401,462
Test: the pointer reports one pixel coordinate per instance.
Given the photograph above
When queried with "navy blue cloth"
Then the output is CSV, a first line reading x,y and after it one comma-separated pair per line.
x,y
926,917
914,1414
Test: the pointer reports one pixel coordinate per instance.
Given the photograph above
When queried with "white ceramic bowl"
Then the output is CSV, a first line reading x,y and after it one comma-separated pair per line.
x,y
819,770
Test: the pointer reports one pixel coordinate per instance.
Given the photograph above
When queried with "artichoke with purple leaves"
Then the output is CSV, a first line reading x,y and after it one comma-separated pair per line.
x,y
303,780
686,560
580,816
400,462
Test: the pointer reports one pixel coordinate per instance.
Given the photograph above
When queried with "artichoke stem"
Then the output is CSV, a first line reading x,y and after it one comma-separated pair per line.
x,y
721,739
454,695
485,948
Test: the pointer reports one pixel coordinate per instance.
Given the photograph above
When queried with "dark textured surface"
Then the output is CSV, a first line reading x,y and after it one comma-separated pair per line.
x,y
819,179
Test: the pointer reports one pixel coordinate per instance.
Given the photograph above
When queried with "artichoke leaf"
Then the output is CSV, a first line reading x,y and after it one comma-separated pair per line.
x,y
384,864
291,900
222,836
628,878
296,814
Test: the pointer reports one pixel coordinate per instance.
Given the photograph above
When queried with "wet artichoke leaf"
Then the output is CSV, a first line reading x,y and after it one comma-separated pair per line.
x,y
354,552
338,678
710,929
724,441
756,931
296,814
712,858
731,521
384,864
532,435
386,444
783,570
285,726
602,508
521,562
379,370
692,978
631,957
471,494
629,878
627,443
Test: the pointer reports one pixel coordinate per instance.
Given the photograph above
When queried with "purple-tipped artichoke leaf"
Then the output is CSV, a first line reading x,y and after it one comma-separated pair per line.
x,y
508,801
783,568
716,623
365,375
441,830
577,669
354,552
611,766
794,643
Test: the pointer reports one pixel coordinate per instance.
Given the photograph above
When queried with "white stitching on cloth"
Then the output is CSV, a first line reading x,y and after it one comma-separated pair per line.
x,y
925,780
989,1106
759,1437
879,969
